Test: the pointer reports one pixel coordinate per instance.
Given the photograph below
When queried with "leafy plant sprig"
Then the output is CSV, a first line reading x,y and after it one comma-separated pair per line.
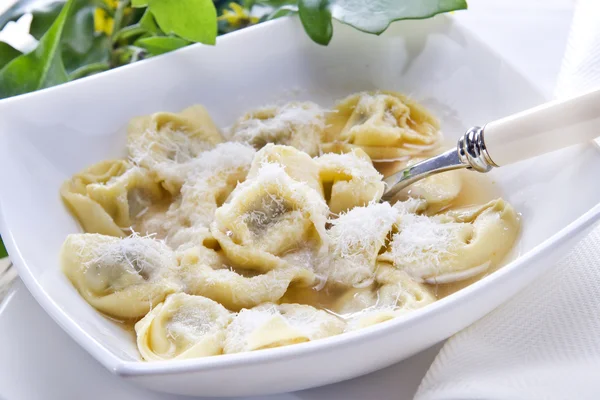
x,y
78,38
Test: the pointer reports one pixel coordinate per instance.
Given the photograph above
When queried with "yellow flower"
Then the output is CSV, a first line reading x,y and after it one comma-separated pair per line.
x,y
103,22
237,16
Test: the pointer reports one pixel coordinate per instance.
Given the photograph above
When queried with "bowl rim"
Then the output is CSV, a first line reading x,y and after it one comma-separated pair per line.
x,y
121,367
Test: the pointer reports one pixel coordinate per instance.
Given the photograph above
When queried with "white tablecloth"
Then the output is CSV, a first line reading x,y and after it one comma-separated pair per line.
x,y
543,343
39,361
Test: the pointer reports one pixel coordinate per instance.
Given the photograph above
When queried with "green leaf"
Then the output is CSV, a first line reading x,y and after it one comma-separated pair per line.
x,y
129,34
149,24
39,69
43,17
3,252
88,70
145,27
161,44
98,52
79,27
7,53
80,46
139,3
316,19
194,20
374,16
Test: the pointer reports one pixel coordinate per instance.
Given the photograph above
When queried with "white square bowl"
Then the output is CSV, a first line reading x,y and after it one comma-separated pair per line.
x,y
47,136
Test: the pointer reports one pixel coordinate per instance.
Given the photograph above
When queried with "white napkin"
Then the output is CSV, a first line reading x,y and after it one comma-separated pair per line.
x,y
545,342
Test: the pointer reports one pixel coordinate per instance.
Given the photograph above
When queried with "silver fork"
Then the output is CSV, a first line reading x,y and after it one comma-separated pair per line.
x,y
524,135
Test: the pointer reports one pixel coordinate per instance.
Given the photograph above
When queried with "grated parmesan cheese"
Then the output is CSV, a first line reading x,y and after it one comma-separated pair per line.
x,y
183,326
169,146
190,323
362,229
209,180
145,256
296,124
270,325
275,182
270,215
422,239
244,323
355,240
224,157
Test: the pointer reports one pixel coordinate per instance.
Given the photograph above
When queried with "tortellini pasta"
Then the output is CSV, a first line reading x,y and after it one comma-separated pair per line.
x,y
299,125
184,326
108,196
268,216
204,274
165,143
386,125
455,245
277,236
356,238
394,294
438,191
269,325
297,164
213,178
349,180
121,277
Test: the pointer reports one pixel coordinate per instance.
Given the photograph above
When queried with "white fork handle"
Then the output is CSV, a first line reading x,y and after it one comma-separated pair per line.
x,y
543,129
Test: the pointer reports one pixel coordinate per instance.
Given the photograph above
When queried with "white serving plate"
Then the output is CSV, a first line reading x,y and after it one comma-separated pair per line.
x,y
47,136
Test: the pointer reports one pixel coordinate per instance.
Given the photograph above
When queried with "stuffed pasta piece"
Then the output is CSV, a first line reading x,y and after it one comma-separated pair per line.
x,y
438,191
454,245
121,277
108,196
181,327
299,125
349,180
394,293
165,143
386,125
268,217
212,178
355,240
269,325
204,272
297,164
